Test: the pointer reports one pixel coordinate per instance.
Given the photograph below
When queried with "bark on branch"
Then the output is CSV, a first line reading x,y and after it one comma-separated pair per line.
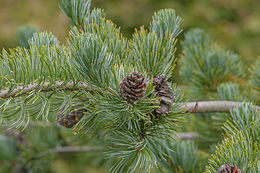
x,y
212,106
191,107
43,87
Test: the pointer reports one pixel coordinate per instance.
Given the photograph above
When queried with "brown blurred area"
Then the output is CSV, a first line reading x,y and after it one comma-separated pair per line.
x,y
42,14
234,24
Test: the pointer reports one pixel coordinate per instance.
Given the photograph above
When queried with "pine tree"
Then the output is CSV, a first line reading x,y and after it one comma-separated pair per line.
x,y
117,93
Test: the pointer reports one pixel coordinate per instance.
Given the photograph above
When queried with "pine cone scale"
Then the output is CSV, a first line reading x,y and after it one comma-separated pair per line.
x,y
167,99
129,83
162,109
133,84
139,89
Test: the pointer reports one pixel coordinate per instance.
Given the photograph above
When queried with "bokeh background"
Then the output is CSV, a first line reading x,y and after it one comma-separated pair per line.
x,y
233,24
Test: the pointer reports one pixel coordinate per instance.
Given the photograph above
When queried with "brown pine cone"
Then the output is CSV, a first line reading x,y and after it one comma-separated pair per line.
x,y
229,169
165,93
132,87
70,119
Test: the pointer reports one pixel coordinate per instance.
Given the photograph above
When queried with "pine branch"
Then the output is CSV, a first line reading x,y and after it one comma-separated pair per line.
x,y
255,80
192,107
44,87
204,66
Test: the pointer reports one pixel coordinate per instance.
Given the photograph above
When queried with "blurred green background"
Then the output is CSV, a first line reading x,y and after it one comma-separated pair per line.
x,y
234,24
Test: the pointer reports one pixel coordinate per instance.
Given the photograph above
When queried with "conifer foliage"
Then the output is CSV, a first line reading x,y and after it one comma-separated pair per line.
x,y
102,84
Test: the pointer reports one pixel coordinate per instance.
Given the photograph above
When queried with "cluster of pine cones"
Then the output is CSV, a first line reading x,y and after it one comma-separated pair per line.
x,y
131,89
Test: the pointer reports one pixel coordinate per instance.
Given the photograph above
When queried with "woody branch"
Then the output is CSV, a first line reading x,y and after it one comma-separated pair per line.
x,y
191,107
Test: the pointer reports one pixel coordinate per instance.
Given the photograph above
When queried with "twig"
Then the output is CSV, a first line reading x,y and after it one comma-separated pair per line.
x,y
211,106
187,135
64,149
43,87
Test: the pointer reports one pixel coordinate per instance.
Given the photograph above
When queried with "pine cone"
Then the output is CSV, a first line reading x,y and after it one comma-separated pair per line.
x,y
133,87
165,94
70,119
229,169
